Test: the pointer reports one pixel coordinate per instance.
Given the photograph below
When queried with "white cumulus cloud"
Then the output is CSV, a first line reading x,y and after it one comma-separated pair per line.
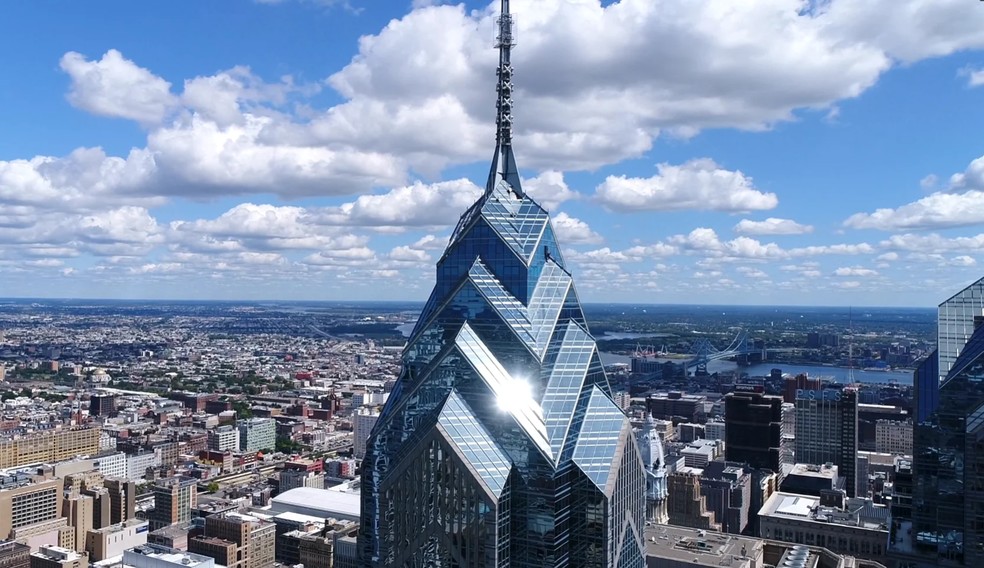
x,y
772,226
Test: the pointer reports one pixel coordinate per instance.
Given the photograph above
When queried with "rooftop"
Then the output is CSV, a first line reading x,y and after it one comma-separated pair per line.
x,y
702,548
858,513
171,555
318,502
811,470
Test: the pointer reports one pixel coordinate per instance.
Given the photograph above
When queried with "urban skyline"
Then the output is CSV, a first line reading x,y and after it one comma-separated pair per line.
x,y
160,159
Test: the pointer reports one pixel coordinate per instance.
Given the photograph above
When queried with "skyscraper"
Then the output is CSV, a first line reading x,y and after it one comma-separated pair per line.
x,y
947,524
753,430
827,431
500,444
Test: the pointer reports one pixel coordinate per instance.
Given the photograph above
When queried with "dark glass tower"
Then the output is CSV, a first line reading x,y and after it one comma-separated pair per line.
x,y
500,444
947,524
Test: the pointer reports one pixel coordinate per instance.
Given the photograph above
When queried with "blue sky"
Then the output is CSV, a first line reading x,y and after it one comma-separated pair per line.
x,y
768,152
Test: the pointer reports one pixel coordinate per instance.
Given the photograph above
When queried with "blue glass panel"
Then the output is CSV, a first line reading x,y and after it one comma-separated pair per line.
x,y
599,438
475,443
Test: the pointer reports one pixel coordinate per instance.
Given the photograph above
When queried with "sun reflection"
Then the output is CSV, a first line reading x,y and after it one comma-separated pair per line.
x,y
514,394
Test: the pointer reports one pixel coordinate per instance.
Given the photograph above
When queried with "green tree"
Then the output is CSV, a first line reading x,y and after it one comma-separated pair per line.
x,y
212,487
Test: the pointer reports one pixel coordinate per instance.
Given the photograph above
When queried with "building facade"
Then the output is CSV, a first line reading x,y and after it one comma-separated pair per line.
x,y
503,411
257,434
827,431
753,430
173,500
363,420
48,446
893,437
223,438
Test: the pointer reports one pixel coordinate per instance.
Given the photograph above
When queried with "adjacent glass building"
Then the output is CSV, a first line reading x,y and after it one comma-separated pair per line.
x,y
947,524
500,444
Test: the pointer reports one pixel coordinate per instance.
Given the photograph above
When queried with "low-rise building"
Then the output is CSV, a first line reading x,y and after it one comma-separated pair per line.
x,y
111,541
58,557
858,528
156,556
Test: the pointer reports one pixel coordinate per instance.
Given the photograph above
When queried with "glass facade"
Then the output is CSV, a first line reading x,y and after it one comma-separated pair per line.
x,y
500,444
956,323
948,494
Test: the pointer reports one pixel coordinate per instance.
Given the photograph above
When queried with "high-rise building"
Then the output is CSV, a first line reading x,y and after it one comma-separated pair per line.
x,y
24,503
362,422
926,387
237,541
753,430
173,499
122,499
948,460
500,444
256,434
224,438
102,405
827,431
957,318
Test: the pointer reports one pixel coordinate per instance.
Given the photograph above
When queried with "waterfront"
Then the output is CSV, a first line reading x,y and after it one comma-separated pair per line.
x,y
840,374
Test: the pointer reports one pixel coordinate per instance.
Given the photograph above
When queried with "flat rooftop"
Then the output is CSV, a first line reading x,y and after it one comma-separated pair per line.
x,y
807,508
701,548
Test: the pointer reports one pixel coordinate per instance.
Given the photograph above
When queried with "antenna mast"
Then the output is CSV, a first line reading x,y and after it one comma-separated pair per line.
x,y
504,42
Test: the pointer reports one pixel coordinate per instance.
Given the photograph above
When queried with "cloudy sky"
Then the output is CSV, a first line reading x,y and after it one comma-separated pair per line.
x,y
767,152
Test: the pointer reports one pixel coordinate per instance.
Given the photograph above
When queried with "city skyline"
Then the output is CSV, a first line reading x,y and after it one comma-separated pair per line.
x,y
822,160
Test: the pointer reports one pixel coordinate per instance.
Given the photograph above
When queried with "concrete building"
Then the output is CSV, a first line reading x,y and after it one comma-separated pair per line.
x,y
257,434
686,506
362,422
122,499
223,438
322,503
173,536
112,464
715,430
103,405
58,557
173,500
48,446
893,437
812,479
78,509
293,478
14,555
24,503
688,432
858,528
699,453
137,465
827,431
727,491
252,541
677,406
156,556
109,542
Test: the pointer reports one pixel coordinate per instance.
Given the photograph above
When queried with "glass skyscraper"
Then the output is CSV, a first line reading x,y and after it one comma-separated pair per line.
x,y
500,444
947,524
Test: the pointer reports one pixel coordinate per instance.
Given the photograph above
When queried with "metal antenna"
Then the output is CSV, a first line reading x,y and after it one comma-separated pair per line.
x,y
504,41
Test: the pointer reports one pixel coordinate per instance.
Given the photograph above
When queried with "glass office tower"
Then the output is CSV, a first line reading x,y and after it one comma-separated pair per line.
x,y
500,444
956,323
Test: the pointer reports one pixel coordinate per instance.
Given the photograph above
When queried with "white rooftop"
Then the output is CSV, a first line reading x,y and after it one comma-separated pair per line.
x,y
318,503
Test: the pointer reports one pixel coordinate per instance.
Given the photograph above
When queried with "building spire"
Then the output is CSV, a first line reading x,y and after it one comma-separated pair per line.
x,y
504,41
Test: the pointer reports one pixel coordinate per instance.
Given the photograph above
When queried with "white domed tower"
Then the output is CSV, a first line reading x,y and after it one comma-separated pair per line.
x,y
651,448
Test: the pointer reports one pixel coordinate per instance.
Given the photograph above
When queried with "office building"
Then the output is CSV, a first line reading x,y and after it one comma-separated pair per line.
x,y
25,503
827,431
753,430
926,387
727,491
362,423
48,446
223,438
686,505
237,541
122,499
256,434
796,383
715,430
58,557
293,478
78,509
173,500
503,408
947,525
893,437
14,555
111,464
956,321
157,556
103,405
856,527
112,541
812,479
677,406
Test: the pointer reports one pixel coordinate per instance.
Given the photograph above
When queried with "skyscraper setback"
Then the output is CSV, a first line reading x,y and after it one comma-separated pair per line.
x,y
500,444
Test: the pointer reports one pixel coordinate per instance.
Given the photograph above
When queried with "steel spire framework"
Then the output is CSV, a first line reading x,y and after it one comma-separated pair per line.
x,y
500,444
